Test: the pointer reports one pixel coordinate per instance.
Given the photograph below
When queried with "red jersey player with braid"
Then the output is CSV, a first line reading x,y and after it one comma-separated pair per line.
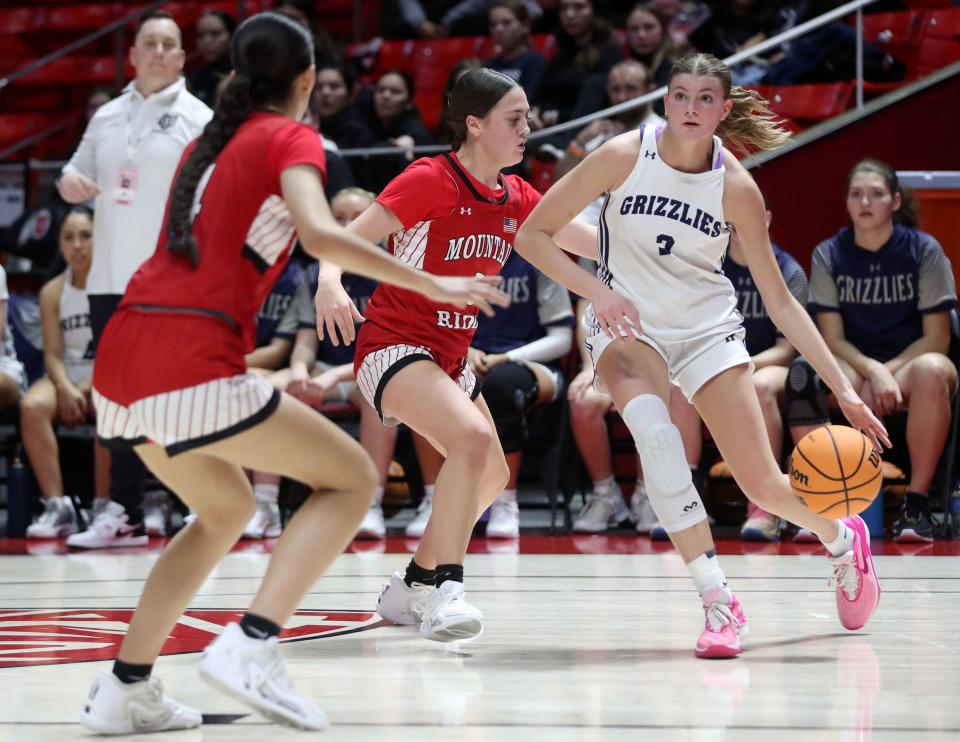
x,y
171,381
455,215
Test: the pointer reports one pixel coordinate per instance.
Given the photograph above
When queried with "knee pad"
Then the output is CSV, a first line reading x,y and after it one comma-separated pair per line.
x,y
666,473
510,389
806,395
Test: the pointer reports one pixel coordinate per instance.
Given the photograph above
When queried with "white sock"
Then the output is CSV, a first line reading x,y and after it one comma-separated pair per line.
x,y
378,497
428,490
706,573
842,543
267,492
603,486
508,496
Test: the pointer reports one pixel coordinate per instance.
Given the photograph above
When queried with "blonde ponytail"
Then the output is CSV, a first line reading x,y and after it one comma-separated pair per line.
x,y
751,123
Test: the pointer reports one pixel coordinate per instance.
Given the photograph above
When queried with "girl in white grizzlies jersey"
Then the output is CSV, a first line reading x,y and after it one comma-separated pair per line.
x,y
663,313
63,395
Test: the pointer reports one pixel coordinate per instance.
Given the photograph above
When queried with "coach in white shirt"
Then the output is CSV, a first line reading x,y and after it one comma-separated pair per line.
x,y
126,160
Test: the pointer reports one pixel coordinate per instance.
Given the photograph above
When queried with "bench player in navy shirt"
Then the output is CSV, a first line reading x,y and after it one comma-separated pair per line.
x,y
276,323
170,381
882,292
771,354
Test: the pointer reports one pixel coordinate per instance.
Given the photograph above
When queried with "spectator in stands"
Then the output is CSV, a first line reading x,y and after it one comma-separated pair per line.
x,y
322,372
394,120
681,17
627,80
335,109
214,31
585,46
771,354
515,355
277,322
735,25
304,12
510,22
63,395
445,133
434,19
126,161
648,42
882,292
100,95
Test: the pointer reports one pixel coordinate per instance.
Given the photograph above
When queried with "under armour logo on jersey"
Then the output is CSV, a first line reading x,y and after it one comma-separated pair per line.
x,y
874,267
649,153
465,210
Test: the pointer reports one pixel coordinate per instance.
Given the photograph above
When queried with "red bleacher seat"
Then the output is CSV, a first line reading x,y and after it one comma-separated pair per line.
x,y
430,108
929,3
15,52
16,126
897,34
396,55
940,43
486,49
545,43
811,102
80,69
19,20
78,18
447,52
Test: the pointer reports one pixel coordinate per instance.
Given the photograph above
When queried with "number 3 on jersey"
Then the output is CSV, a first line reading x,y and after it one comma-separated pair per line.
x,y
666,243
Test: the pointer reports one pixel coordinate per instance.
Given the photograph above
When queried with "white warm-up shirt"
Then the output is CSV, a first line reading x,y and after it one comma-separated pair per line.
x,y
144,137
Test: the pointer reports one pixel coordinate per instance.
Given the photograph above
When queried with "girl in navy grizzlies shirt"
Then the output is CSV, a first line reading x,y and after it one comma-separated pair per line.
x,y
882,292
771,354
276,322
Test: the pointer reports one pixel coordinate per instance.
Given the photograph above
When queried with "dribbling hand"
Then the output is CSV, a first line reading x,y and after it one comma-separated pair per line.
x,y
480,291
336,313
862,418
617,316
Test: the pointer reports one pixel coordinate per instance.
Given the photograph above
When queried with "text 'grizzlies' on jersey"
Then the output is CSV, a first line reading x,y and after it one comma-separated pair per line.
x,y
662,240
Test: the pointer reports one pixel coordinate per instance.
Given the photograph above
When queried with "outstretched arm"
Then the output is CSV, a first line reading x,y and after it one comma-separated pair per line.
x,y
601,171
322,237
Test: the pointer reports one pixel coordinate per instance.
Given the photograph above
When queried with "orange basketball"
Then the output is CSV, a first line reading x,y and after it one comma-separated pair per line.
x,y
835,471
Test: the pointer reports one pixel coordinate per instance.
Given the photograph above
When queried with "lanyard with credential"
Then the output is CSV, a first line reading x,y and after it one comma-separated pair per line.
x,y
125,191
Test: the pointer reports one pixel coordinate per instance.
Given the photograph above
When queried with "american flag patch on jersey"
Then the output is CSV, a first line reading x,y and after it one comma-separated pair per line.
x,y
509,225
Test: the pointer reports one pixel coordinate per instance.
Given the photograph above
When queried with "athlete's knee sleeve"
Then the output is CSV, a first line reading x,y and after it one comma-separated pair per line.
x,y
510,389
666,473
806,395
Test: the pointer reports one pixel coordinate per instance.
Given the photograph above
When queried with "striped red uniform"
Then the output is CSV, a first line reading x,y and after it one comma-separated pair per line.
x,y
453,225
170,366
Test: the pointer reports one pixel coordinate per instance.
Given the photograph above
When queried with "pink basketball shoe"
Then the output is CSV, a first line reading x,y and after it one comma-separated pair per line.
x,y
858,589
724,625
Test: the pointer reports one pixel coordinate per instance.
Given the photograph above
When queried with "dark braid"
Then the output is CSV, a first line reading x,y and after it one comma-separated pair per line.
x,y
233,108
269,51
